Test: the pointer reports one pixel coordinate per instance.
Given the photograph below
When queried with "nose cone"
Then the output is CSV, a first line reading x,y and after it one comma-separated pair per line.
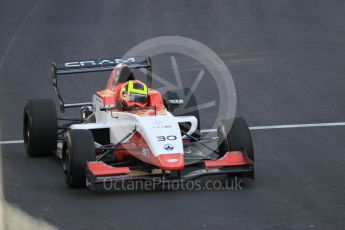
x,y
171,161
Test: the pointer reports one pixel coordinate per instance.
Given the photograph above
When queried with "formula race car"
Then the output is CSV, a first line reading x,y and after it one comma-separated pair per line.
x,y
132,132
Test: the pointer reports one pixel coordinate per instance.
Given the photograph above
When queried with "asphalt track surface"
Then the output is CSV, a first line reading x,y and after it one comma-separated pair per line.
x,y
287,61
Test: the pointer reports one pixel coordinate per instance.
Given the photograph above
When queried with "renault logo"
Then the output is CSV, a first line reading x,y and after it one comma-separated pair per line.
x,y
168,147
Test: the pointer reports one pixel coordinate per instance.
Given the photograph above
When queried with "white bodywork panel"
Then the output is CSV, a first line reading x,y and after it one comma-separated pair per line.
x,y
157,130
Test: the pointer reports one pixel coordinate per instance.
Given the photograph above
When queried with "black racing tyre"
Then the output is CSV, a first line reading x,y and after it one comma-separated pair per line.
x,y
40,127
234,135
181,109
78,148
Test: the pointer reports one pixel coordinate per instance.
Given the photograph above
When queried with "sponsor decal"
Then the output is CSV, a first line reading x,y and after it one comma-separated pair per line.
x,y
168,147
160,125
101,62
176,101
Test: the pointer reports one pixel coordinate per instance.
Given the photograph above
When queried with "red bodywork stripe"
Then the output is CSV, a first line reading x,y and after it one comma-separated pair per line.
x,y
101,169
235,158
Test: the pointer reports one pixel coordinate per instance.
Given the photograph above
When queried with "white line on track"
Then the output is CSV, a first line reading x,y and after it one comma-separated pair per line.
x,y
251,128
285,126
298,126
11,142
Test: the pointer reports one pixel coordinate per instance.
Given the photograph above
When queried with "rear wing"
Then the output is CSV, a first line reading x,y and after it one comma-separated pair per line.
x,y
96,65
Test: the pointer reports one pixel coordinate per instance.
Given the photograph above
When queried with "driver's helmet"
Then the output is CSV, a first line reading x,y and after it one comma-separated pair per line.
x,y
134,93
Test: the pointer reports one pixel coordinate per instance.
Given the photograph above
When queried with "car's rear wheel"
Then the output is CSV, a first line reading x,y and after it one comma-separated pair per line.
x,y
182,102
78,149
40,127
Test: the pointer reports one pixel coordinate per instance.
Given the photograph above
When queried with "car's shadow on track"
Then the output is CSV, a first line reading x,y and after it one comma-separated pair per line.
x,y
215,183
45,173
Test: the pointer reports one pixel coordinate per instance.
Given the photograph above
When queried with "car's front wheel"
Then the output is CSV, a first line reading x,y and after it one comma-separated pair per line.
x,y
234,135
78,149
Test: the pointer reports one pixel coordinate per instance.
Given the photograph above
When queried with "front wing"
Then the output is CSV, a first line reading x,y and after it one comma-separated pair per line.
x,y
236,163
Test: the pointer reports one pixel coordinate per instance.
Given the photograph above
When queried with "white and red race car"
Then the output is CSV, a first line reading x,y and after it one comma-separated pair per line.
x,y
106,144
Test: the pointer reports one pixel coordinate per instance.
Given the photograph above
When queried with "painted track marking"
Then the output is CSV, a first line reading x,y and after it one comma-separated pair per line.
x,y
286,126
11,142
251,128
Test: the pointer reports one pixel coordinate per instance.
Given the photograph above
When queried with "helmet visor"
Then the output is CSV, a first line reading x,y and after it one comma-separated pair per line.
x,y
136,97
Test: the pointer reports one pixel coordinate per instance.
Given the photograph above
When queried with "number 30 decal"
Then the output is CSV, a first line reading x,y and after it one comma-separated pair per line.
x,y
164,138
